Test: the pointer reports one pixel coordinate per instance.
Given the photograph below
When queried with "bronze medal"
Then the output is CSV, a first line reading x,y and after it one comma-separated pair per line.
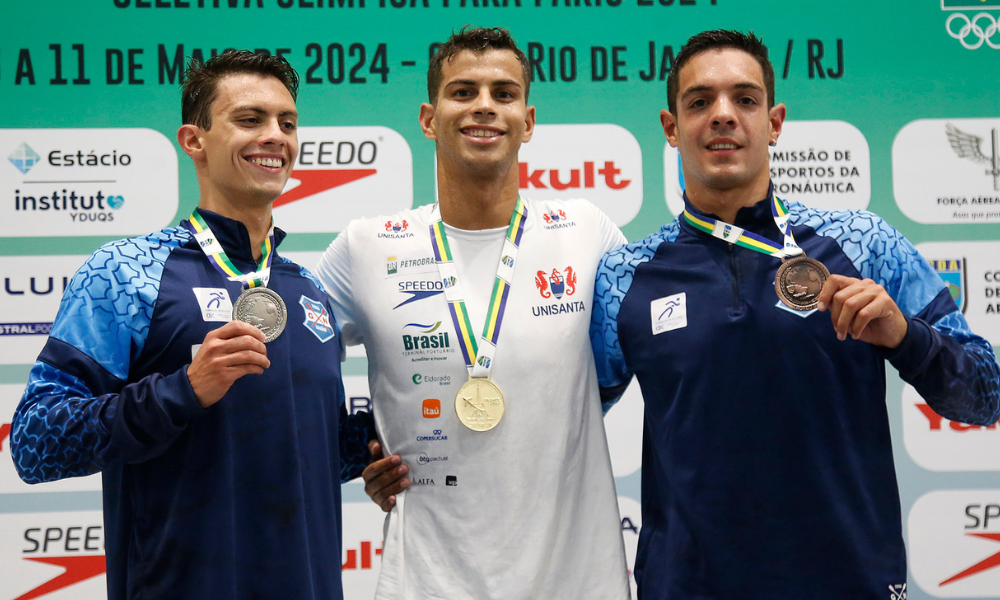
x,y
799,281
262,308
479,404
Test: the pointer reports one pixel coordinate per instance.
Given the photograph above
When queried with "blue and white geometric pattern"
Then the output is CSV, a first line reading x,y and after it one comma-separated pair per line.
x,y
878,251
111,299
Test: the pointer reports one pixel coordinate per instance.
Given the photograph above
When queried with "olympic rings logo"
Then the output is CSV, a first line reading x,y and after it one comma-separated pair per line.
x,y
972,28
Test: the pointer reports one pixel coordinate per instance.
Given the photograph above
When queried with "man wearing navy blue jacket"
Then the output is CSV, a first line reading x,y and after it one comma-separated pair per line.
x,y
222,443
759,331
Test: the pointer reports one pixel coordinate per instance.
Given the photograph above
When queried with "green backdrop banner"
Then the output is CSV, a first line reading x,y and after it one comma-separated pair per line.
x,y
892,107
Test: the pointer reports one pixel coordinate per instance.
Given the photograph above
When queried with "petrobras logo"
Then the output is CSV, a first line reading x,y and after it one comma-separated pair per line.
x,y
601,163
822,164
32,289
53,555
73,182
971,272
412,263
971,23
345,173
948,170
954,543
937,444
431,408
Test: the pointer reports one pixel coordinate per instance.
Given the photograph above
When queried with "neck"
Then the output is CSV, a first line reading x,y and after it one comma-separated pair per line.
x,y
473,203
257,219
726,203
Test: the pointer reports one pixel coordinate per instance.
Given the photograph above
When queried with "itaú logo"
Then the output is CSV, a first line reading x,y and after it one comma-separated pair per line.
x,y
936,422
587,176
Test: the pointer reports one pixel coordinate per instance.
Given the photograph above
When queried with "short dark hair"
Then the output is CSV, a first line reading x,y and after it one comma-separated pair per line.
x,y
201,80
718,39
474,39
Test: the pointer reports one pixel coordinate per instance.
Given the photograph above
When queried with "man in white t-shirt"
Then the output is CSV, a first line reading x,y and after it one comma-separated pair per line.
x,y
474,313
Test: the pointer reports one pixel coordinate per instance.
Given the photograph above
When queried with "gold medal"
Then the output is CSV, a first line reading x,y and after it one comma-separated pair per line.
x,y
799,281
479,404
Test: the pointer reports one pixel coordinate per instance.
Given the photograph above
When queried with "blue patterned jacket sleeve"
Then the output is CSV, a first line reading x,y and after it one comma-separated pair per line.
x,y
614,278
79,414
953,369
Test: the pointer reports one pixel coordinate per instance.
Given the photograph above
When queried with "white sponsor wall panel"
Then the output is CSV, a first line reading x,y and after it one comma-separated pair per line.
x,y
937,444
822,164
948,170
954,543
344,173
29,300
55,556
75,182
600,162
972,272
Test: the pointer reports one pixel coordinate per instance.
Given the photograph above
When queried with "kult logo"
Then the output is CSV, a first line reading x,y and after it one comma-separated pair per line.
x,y
365,554
563,161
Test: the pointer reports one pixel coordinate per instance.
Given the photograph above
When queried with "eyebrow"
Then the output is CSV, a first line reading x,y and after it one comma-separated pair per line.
x,y
497,82
260,111
707,88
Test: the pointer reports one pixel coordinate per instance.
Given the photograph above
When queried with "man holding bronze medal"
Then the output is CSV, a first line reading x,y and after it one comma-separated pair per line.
x,y
475,314
758,330
199,371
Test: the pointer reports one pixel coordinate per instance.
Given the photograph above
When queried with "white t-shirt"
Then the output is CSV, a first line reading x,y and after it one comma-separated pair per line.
x,y
526,510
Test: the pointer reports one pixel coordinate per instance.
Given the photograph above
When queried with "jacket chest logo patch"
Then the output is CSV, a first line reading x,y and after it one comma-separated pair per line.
x,y
317,319
668,313
214,303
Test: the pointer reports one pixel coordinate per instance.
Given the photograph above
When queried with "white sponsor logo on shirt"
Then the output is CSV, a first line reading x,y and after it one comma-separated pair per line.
x,y
214,303
669,313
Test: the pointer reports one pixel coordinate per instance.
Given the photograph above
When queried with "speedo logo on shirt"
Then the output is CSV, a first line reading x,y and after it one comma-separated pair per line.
x,y
414,291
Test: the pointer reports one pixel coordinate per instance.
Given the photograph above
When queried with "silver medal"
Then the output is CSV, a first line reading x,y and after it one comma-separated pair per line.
x,y
262,308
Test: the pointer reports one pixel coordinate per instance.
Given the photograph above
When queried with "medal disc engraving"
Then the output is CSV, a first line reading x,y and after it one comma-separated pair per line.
x,y
799,281
479,404
262,308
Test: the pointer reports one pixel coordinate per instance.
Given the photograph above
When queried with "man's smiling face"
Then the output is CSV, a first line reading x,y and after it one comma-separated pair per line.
x,y
723,125
480,117
250,149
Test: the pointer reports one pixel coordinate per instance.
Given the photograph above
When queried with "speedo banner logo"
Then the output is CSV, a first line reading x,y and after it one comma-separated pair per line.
x,y
602,163
52,555
72,182
344,173
954,543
